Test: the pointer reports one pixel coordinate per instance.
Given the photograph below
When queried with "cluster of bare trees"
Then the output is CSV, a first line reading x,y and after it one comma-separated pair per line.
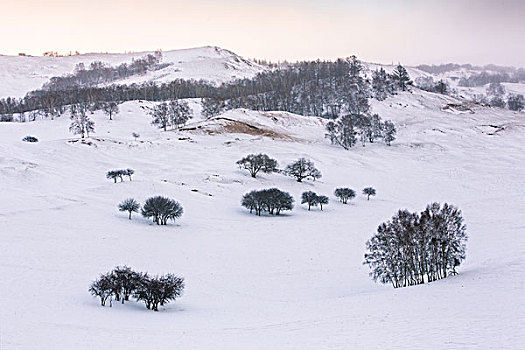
x,y
416,248
123,283
160,209
119,174
270,200
313,199
170,114
301,169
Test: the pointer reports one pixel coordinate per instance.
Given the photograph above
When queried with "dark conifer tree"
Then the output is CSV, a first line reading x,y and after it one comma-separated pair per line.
x,y
401,78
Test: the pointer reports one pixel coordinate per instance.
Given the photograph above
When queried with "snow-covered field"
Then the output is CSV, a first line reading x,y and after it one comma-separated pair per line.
x,y
289,282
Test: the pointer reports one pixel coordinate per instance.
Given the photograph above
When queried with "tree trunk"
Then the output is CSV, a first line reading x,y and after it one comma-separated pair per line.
x,y
130,214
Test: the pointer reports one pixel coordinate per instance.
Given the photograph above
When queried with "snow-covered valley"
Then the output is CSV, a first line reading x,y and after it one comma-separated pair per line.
x,y
295,281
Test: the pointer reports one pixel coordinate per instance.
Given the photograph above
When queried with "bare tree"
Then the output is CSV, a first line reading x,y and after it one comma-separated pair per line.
x,y
161,209
344,194
110,108
102,288
369,191
255,163
303,169
130,205
81,124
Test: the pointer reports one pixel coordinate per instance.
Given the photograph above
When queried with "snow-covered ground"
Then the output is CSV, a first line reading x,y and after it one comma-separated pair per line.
x,y
290,282
21,74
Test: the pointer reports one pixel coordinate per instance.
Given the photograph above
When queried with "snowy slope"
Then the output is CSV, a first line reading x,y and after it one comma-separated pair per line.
x,y
290,282
20,74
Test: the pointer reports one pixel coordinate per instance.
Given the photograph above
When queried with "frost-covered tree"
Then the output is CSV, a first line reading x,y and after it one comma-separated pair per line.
x,y
416,248
81,124
130,205
257,162
389,132
179,113
425,83
442,87
342,132
495,90
311,198
344,194
348,129
376,128
401,78
103,288
381,84
357,89
497,101
302,169
160,115
212,106
516,102
110,109
369,191
161,209
30,139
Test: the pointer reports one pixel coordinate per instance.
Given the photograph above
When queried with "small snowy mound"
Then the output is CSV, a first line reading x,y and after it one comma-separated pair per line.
x,y
275,125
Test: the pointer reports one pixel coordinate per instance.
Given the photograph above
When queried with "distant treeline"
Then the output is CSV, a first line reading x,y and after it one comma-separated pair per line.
x,y
488,74
320,88
99,73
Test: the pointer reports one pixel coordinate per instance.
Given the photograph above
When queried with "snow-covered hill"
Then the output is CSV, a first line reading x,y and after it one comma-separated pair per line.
x,y
289,282
21,74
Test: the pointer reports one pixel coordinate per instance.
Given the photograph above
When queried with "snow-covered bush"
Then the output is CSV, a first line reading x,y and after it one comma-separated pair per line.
x,y
516,102
30,139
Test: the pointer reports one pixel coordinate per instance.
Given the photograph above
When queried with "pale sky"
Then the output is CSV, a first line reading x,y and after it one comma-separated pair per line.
x,y
384,31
